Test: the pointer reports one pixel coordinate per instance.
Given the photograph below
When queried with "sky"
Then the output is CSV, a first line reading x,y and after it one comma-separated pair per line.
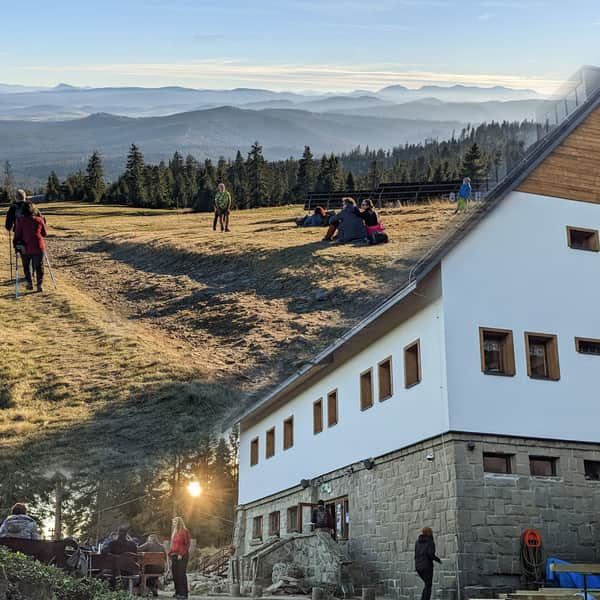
x,y
297,45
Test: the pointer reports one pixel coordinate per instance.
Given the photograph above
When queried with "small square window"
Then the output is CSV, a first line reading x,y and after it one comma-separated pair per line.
x,y
366,389
292,519
587,346
288,433
542,466
412,364
592,469
257,528
270,445
583,239
497,463
542,356
332,408
497,351
254,452
274,523
384,376
318,416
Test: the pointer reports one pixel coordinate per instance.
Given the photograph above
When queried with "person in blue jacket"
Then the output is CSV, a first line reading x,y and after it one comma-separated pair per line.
x,y
464,193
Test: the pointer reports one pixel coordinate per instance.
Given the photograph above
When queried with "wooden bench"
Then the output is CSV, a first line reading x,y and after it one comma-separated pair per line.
x,y
584,569
116,564
47,552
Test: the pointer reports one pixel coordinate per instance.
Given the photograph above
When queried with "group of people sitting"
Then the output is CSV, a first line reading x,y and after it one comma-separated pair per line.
x,y
351,224
21,525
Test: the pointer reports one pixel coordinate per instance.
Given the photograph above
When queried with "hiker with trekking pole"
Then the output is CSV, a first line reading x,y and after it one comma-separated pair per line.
x,y
30,231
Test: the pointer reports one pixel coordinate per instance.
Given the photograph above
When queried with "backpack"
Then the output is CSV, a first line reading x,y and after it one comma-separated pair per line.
x,y
379,237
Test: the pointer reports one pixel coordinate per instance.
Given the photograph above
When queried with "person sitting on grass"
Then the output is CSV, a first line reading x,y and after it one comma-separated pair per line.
x,y
19,524
375,230
222,205
30,232
317,219
348,223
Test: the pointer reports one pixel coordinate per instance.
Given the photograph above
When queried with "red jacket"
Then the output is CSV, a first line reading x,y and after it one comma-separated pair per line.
x,y
180,542
31,232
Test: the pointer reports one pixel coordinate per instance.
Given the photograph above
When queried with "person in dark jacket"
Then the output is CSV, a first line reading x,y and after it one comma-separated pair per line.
x,y
348,223
321,518
153,545
424,558
30,232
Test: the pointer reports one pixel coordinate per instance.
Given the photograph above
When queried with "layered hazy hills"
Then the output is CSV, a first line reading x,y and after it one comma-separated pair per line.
x,y
58,128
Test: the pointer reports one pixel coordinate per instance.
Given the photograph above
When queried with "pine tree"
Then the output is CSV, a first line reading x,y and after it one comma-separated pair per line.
x,y
350,185
134,177
52,187
8,182
237,182
256,173
473,165
94,186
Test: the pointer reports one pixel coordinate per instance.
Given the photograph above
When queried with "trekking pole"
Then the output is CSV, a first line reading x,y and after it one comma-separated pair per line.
x,y
16,275
50,270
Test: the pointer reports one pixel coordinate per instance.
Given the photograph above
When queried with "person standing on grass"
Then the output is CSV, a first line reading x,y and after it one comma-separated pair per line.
x,y
222,205
464,193
179,554
30,232
424,558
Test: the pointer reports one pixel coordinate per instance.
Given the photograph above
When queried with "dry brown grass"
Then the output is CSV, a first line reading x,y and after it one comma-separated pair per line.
x,y
153,307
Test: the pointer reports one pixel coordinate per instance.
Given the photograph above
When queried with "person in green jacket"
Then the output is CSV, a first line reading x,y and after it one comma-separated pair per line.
x,y
222,206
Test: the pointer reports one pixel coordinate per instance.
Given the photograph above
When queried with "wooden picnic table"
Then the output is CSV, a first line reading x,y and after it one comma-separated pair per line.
x,y
584,569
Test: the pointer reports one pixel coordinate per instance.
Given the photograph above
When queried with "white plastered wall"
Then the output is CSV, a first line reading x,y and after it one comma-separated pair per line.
x,y
515,271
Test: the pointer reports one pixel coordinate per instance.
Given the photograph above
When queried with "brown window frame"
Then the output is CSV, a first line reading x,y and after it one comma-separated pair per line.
x,y
257,524
552,358
579,340
332,400
292,519
508,351
288,433
552,460
318,416
366,403
419,377
270,443
254,451
506,457
274,523
390,392
594,239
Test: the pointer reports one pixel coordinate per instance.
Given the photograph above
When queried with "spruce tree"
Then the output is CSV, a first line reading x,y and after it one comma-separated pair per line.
x,y
305,179
473,165
94,179
134,177
350,185
256,173
52,187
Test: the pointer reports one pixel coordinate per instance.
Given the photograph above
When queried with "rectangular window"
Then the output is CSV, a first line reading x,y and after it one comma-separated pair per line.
x,y
318,416
412,364
366,389
288,433
583,239
384,376
274,523
542,466
292,519
257,528
332,408
254,452
497,351
270,446
542,356
587,346
592,469
497,463
340,516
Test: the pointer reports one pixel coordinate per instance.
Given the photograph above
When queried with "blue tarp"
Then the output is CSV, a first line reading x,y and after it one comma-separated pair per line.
x,y
569,580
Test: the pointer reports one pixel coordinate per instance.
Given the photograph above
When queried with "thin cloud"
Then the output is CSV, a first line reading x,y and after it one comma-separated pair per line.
x,y
202,37
286,76
485,17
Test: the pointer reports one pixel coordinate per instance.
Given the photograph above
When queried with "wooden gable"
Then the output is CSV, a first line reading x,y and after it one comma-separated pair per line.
x,y
572,170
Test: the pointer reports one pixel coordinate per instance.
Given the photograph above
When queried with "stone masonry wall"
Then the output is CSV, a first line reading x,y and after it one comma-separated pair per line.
x,y
477,517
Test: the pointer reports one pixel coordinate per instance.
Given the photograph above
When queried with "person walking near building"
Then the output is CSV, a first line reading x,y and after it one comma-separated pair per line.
x,y
222,205
321,518
179,554
19,524
30,232
424,558
464,193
